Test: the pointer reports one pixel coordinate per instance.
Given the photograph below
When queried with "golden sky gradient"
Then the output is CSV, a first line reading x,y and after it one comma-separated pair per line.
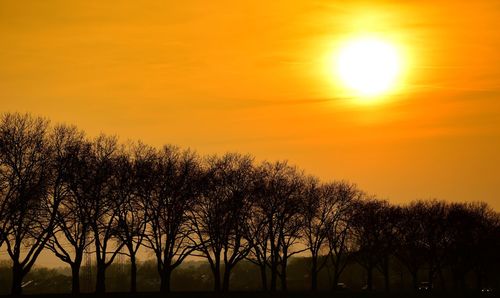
x,y
255,77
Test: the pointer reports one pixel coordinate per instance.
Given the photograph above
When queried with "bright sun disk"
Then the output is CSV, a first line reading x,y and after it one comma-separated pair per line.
x,y
368,66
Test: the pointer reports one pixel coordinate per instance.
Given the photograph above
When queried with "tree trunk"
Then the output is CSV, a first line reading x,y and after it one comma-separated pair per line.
x,y
133,274
165,277
216,272
414,277
456,280
17,279
227,277
442,280
369,279
75,278
263,277
284,285
100,287
336,278
274,276
387,281
314,273
462,283
479,280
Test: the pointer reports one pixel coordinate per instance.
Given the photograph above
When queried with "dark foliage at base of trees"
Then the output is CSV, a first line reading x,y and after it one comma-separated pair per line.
x,y
74,196
197,276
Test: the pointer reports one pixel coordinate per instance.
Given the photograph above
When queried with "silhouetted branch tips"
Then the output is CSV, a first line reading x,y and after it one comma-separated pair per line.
x,y
79,197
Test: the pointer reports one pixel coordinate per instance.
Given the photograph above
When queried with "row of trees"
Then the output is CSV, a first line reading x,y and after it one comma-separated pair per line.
x,y
63,192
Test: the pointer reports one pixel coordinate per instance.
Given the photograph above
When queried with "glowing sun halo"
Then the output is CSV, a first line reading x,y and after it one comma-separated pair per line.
x,y
368,66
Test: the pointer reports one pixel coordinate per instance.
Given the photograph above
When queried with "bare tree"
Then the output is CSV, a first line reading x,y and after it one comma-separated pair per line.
x,y
258,237
70,236
315,219
389,220
3,209
434,230
169,186
486,257
467,230
92,182
131,219
338,229
4,197
368,227
325,211
105,208
280,197
220,217
410,249
28,209
65,193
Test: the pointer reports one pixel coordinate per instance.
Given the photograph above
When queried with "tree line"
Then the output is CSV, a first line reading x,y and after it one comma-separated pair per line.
x,y
64,192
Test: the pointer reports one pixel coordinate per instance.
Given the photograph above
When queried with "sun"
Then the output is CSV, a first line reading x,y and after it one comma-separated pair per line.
x,y
368,66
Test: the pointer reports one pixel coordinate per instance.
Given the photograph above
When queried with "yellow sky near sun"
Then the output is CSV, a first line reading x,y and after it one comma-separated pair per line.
x,y
254,77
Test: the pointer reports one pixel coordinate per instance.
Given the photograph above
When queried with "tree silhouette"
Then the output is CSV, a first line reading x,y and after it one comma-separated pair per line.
x,y
325,222
409,234
434,240
28,209
339,229
131,216
92,182
169,186
468,227
258,237
389,219
220,216
280,197
70,235
368,226
487,258
65,193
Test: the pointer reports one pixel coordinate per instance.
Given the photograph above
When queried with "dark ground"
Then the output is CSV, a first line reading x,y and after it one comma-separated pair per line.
x,y
254,294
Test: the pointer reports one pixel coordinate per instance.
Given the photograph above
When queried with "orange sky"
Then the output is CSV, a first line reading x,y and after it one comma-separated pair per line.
x,y
222,76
